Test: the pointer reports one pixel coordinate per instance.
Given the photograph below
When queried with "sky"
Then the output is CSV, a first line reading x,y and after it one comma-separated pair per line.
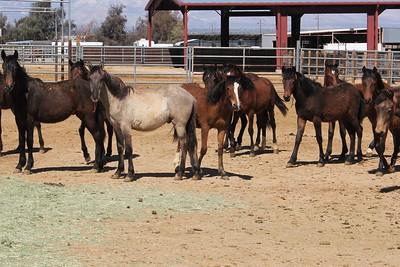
x,y
85,11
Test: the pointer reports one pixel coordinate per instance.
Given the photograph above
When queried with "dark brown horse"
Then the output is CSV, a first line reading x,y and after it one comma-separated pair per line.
x,y
319,104
79,71
6,103
258,98
387,119
34,100
214,111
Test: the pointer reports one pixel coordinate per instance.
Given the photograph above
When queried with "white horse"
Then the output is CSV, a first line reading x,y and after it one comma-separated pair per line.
x,y
146,110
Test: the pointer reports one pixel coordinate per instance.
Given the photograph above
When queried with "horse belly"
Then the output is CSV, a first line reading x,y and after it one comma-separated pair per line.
x,y
149,118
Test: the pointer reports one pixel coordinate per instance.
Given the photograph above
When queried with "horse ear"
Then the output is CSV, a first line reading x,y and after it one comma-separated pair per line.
x,y
326,63
70,62
82,62
336,65
16,54
101,65
3,54
364,69
375,69
283,68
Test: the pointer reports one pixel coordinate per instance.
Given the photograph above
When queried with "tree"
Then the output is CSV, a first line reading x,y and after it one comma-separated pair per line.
x,y
176,33
112,30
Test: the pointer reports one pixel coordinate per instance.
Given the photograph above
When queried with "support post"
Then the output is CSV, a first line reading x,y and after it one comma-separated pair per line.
x,y
281,38
224,28
150,28
295,30
372,29
185,27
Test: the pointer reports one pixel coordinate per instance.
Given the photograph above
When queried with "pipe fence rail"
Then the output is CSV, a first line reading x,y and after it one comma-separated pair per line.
x,y
163,65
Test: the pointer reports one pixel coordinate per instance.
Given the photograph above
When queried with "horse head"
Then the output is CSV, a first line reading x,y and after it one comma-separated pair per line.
x,y
78,70
231,70
385,106
10,68
211,77
234,91
96,79
331,73
289,78
372,83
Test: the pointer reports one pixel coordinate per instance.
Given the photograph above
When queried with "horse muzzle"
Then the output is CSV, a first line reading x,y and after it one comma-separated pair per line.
x,y
235,107
94,100
9,88
286,98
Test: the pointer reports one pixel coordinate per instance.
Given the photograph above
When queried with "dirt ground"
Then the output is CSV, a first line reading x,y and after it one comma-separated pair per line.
x,y
265,215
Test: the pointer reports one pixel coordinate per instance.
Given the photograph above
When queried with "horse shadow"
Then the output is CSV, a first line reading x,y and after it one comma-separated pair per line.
x,y
70,168
258,152
389,189
374,171
34,150
114,158
209,172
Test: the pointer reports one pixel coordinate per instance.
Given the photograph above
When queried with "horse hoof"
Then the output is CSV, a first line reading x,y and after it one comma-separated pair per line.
x,y
1,154
291,165
238,147
320,164
178,177
232,154
16,170
369,152
349,162
256,148
196,177
129,179
379,173
224,177
390,169
88,159
27,172
252,154
276,151
42,150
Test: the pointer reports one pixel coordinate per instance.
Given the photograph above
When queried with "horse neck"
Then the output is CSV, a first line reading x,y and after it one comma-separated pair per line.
x,y
331,80
21,83
107,98
302,90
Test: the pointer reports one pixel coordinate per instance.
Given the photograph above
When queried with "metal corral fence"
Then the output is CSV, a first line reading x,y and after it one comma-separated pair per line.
x,y
144,65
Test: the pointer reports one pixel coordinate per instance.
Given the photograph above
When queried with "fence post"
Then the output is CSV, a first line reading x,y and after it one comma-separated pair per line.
x,y
298,56
55,61
317,57
390,67
243,58
353,66
309,62
192,65
134,67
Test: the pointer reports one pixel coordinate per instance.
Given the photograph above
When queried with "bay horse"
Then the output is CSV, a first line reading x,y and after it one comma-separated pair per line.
x,y
37,101
318,104
145,110
79,70
215,105
6,103
387,119
259,98
210,81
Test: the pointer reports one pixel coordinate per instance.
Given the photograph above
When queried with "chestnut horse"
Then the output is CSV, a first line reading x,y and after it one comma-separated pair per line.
x,y
387,119
34,100
6,103
79,70
214,110
319,104
258,98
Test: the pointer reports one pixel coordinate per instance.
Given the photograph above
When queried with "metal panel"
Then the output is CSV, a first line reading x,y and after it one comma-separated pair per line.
x,y
390,35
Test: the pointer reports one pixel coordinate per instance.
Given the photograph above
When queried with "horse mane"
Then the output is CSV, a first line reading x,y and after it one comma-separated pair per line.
x,y
116,86
247,83
309,86
384,95
215,94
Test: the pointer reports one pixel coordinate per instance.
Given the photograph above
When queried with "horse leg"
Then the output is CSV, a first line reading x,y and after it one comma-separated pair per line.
x,y
380,149
128,152
370,149
21,124
396,143
243,120
176,162
344,144
318,134
181,133
251,132
38,126
272,122
110,131
29,141
372,144
231,134
120,147
331,132
359,143
96,129
301,124
204,139
352,134
220,137
1,140
83,143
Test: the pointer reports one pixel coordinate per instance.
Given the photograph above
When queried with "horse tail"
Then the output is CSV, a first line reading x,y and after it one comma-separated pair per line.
x,y
280,104
191,130
361,110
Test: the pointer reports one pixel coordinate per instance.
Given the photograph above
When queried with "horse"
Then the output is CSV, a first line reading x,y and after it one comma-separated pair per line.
x,y
259,100
78,70
209,81
146,110
331,78
6,103
320,104
387,118
215,105
37,101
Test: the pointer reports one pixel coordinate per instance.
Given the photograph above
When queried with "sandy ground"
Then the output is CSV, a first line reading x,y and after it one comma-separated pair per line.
x,y
265,215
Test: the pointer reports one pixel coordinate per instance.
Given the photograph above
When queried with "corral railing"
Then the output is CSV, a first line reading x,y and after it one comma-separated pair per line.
x,y
144,65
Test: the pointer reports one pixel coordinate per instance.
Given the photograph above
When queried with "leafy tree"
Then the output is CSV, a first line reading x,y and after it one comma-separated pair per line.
x,y
112,30
176,34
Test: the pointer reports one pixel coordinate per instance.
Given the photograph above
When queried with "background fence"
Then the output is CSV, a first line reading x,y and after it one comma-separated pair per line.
x,y
143,65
